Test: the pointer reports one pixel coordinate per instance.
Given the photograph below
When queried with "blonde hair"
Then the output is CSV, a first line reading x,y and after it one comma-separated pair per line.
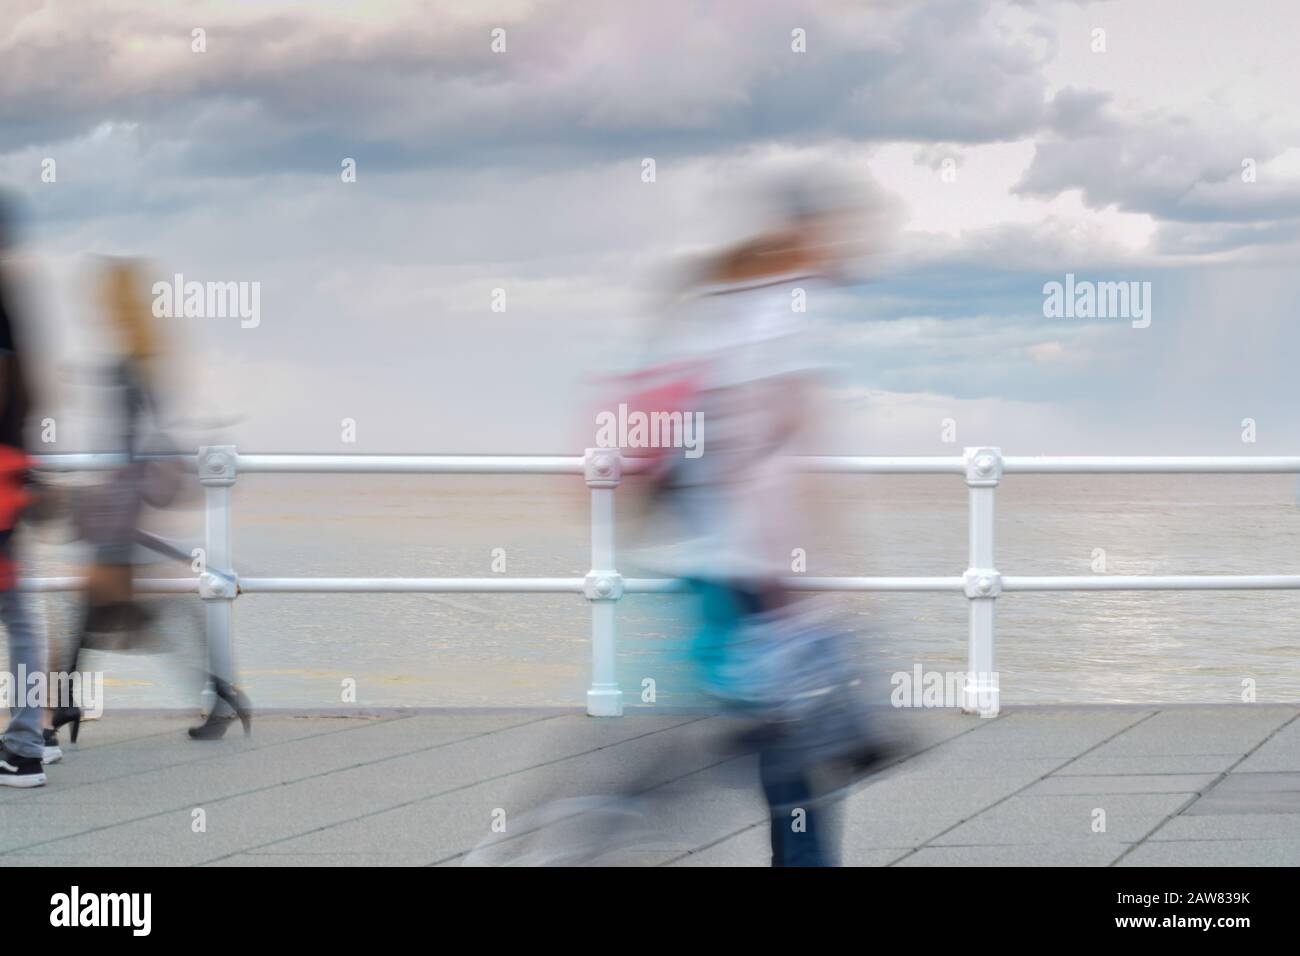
x,y
772,254
122,295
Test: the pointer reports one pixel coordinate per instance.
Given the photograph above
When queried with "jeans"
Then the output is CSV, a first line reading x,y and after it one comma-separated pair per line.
x,y
796,825
26,651
800,832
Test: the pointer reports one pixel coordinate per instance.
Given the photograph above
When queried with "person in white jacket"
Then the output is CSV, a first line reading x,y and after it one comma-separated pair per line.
x,y
737,512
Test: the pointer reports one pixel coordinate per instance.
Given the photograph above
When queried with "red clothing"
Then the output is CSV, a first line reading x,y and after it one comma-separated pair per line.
x,y
14,497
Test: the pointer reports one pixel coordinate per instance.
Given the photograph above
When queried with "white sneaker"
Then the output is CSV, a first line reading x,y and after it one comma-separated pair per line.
x,y
22,772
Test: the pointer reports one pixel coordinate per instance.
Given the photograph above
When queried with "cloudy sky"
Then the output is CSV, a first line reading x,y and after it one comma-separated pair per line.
x,y
1014,142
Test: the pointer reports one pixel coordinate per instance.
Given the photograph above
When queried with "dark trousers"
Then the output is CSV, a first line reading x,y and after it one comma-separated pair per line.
x,y
797,830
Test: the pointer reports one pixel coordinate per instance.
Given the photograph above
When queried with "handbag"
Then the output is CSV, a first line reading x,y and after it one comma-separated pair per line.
x,y
795,669
649,395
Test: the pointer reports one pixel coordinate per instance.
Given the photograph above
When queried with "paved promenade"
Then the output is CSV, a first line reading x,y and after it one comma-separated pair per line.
x,y
1203,785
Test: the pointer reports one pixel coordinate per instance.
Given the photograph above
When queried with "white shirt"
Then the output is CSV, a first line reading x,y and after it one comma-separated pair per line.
x,y
739,514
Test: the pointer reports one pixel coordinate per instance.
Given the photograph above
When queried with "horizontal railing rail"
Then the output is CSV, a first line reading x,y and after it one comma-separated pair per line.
x,y
218,585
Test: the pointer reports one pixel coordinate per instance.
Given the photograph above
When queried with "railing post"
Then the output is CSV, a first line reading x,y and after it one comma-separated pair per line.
x,y
218,465
603,468
983,582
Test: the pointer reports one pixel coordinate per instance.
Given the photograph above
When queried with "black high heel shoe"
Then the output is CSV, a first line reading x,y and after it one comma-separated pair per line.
x,y
214,728
71,712
67,715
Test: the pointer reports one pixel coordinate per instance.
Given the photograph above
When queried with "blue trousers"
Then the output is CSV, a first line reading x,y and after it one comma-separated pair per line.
x,y
26,650
796,825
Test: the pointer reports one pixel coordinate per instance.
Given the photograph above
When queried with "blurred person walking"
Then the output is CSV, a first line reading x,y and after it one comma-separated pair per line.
x,y
742,346
23,750
111,512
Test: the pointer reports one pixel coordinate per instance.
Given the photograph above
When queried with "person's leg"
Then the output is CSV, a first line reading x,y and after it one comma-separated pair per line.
x,y
795,821
66,709
23,737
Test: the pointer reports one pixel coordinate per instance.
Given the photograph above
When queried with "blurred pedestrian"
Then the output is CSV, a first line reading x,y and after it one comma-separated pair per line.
x,y
739,514
23,749
111,512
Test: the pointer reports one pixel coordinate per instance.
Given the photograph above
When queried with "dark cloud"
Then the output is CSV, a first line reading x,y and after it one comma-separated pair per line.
x,y
1171,166
577,79
1077,112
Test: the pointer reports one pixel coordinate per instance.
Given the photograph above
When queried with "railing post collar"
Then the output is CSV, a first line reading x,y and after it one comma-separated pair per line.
x,y
218,465
602,467
983,467
603,586
982,583
218,587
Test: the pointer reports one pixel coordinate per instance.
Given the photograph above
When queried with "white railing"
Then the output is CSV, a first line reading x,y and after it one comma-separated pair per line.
x,y
602,469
